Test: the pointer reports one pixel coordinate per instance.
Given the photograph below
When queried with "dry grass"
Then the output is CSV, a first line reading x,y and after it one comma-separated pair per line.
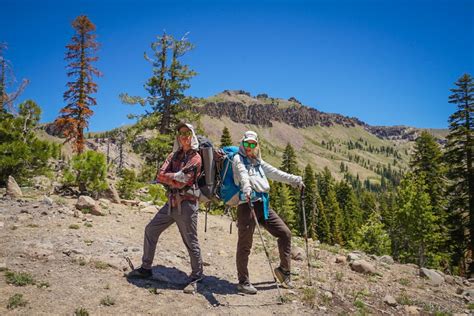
x,y
307,144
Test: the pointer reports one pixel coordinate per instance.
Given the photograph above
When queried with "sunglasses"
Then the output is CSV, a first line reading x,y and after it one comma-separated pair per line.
x,y
251,145
185,133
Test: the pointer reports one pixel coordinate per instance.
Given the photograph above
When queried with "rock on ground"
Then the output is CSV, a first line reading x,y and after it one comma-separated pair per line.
x,y
362,266
13,189
88,203
434,277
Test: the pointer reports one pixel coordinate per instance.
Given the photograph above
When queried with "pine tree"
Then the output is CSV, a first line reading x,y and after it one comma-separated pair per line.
x,y
367,202
290,165
387,205
324,181
226,139
327,192
321,223
22,154
351,212
281,203
417,229
30,114
372,237
74,117
335,216
169,81
310,203
459,156
426,162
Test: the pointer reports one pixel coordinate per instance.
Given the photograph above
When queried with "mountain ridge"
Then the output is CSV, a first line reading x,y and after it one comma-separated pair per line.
x,y
241,107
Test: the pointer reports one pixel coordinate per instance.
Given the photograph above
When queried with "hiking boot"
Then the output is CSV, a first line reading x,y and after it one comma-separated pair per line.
x,y
191,288
140,273
284,277
246,288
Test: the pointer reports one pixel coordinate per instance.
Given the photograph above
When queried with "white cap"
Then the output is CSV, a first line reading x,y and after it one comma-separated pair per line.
x,y
250,135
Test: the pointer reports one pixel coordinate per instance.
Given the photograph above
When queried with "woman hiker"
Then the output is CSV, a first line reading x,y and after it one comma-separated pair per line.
x,y
178,173
250,173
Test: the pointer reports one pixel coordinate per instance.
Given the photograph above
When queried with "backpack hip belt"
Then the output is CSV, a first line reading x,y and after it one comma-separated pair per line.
x,y
190,193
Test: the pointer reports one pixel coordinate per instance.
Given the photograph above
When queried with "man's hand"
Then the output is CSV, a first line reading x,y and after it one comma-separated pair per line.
x,y
248,194
180,176
298,183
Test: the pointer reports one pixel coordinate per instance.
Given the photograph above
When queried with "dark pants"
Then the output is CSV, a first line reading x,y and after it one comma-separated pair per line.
x,y
187,225
246,227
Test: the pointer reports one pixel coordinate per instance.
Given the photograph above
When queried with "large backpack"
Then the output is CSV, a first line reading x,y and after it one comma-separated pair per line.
x,y
216,181
228,190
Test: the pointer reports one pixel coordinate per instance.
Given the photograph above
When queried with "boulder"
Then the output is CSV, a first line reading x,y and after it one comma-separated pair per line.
x,y
86,203
449,279
149,209
130,202
297,253
468,295
341,259
111,194
386,259
353,256
13,189
328,295
389,300
48,201
144,204
434,277
362,266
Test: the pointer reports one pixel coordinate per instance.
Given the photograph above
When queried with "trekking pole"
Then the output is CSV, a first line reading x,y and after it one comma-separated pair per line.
x,y
254,215
208,208
228,211
306,235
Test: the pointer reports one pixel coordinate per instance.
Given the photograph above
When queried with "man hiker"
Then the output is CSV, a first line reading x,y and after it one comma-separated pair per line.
x,y
178,173
250,173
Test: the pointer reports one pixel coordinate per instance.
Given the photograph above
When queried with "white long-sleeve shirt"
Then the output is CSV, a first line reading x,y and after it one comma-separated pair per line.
x,y
255,176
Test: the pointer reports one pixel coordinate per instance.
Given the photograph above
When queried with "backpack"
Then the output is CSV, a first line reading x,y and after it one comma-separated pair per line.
x,y
216,181
228,190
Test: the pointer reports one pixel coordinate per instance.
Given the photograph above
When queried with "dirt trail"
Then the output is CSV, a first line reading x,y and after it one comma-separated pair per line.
x,y
80,260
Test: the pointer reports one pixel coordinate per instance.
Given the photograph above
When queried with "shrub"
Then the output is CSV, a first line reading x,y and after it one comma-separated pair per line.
x,y
309,297
128,184
88,171
19,278
81,311
107,301
16,300
157,193
22,154
147,173
372,237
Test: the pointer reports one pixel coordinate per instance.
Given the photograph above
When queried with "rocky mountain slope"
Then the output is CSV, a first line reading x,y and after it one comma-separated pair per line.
x,y
67,261
263,110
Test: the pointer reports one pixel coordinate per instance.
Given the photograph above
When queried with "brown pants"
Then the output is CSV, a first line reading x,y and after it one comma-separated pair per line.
x,y
246,227
187,225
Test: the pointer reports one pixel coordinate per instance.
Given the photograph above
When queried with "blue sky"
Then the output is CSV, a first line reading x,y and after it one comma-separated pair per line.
x,y
385,62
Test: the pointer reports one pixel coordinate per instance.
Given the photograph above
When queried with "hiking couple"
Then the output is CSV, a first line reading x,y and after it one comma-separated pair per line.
x,y
251,173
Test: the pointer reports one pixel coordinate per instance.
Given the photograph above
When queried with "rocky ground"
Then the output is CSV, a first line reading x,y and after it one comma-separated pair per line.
x,y
76,263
